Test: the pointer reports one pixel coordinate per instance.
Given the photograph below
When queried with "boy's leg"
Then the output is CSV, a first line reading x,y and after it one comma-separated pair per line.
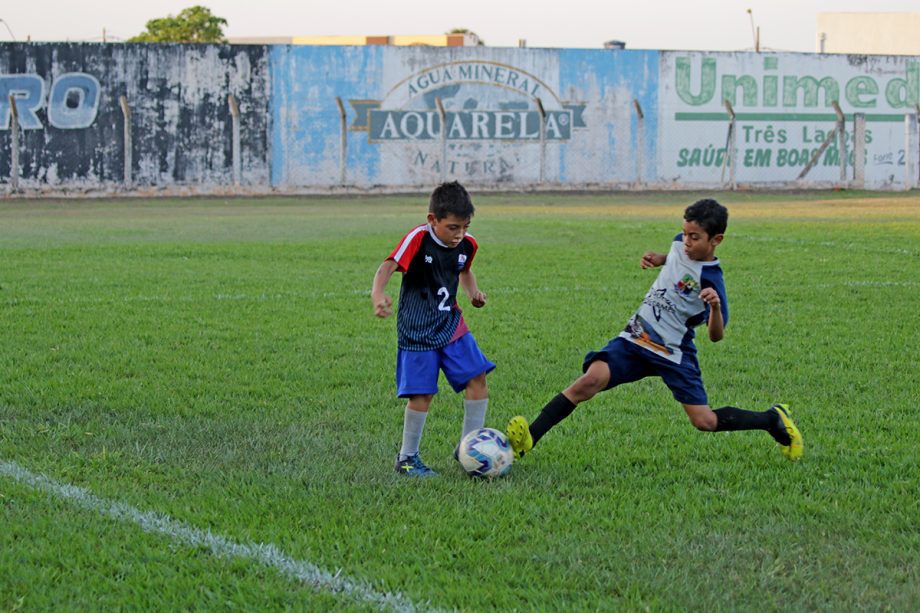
x,y
523,436
475,404
414,423
584,388
417,381
466,367
775,421
686,384
408,462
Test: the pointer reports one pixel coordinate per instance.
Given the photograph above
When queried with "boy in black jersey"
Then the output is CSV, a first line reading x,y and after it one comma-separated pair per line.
x,y
435,258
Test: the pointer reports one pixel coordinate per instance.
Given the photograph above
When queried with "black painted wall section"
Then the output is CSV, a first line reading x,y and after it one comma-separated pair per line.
x,y
181,121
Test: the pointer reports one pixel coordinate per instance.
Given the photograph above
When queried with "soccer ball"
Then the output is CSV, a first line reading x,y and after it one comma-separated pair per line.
x,y
485,453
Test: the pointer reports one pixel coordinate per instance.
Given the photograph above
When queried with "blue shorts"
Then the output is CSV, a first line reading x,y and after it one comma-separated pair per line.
x,y
462,360
629,362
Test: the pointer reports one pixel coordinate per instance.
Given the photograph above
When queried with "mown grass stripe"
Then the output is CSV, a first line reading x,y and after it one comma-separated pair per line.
x,y
265,554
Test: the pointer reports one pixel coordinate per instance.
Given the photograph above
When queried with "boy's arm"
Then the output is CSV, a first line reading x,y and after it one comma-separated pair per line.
x,y
651,259
716,324
469,285
382,303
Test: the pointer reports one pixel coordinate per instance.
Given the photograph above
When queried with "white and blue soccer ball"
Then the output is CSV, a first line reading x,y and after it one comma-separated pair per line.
x,y
485,452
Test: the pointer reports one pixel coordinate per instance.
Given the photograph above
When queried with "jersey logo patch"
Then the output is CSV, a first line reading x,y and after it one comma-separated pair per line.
x,y
461,260
687,285
429,259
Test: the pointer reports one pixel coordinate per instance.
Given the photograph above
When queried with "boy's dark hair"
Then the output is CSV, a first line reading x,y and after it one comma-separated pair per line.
x,y
451,199
709,215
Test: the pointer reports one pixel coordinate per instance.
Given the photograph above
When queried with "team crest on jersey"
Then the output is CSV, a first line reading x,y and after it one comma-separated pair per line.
x,y
461,260
687,285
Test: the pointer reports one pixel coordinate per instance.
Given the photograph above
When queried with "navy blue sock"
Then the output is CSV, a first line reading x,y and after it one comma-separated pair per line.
x,y
733,418
555,411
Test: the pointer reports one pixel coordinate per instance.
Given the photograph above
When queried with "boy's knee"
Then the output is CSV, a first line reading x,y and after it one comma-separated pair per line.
x,y
477,386
420,402
588,385
594,382
705,422
701,416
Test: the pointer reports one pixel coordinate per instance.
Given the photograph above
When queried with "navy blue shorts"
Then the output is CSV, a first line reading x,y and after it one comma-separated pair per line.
x,y
629,362
462,360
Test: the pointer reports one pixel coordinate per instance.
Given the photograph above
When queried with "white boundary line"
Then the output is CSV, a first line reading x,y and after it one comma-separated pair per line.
x,y
265,554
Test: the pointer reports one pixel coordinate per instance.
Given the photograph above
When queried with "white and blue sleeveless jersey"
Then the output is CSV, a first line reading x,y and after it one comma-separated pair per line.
x,y
672,308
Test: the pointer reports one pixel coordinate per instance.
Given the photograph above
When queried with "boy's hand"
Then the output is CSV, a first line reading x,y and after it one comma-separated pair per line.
x,y
650,259
710,297
383,306
478,300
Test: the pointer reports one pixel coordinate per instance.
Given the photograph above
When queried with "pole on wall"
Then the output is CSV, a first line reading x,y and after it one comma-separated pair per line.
x,y
910,150
916,178
842,142
640,142
126,112
838,126
14,145
730,147
235,139
443,115
859,150
542,139
343,140
917,143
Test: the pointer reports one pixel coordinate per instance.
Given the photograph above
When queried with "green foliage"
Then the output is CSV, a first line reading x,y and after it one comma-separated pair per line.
x,y
218,361
195,24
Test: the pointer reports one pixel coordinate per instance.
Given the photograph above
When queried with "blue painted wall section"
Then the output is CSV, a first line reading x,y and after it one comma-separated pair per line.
x,y
306,128
491,99
608,82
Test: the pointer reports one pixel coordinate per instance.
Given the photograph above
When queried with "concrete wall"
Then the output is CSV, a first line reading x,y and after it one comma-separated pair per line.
x,y
72,124
291,133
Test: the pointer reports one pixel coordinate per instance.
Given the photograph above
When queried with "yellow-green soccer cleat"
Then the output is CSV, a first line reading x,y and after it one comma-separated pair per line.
x,y
796,447
519,436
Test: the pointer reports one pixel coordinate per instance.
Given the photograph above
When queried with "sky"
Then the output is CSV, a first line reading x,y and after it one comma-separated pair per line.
x,y
718,25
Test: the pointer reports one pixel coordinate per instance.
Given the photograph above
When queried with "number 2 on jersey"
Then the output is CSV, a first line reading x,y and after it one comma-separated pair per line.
x,y
442,306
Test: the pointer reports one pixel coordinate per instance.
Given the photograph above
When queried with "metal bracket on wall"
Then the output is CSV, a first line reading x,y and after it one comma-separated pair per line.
x,y
126,111
542,139
343,140
14,145
640,142
235,138
731,148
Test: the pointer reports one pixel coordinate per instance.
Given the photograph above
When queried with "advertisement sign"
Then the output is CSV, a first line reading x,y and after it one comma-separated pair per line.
x,y
784,112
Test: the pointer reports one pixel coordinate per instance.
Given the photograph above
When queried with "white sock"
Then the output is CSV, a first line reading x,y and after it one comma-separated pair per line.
x,y
413,424
474,415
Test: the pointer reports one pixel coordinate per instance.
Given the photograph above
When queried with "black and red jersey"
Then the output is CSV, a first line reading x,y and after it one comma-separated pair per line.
x,y
428,314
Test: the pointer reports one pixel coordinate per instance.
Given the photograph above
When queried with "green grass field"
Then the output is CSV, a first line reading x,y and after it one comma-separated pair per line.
x,y
217,362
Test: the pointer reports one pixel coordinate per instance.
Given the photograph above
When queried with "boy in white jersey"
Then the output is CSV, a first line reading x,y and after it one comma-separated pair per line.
x,y
658,341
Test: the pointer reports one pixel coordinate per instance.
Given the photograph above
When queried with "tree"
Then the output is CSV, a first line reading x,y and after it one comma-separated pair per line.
x,y
479,41
195,24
